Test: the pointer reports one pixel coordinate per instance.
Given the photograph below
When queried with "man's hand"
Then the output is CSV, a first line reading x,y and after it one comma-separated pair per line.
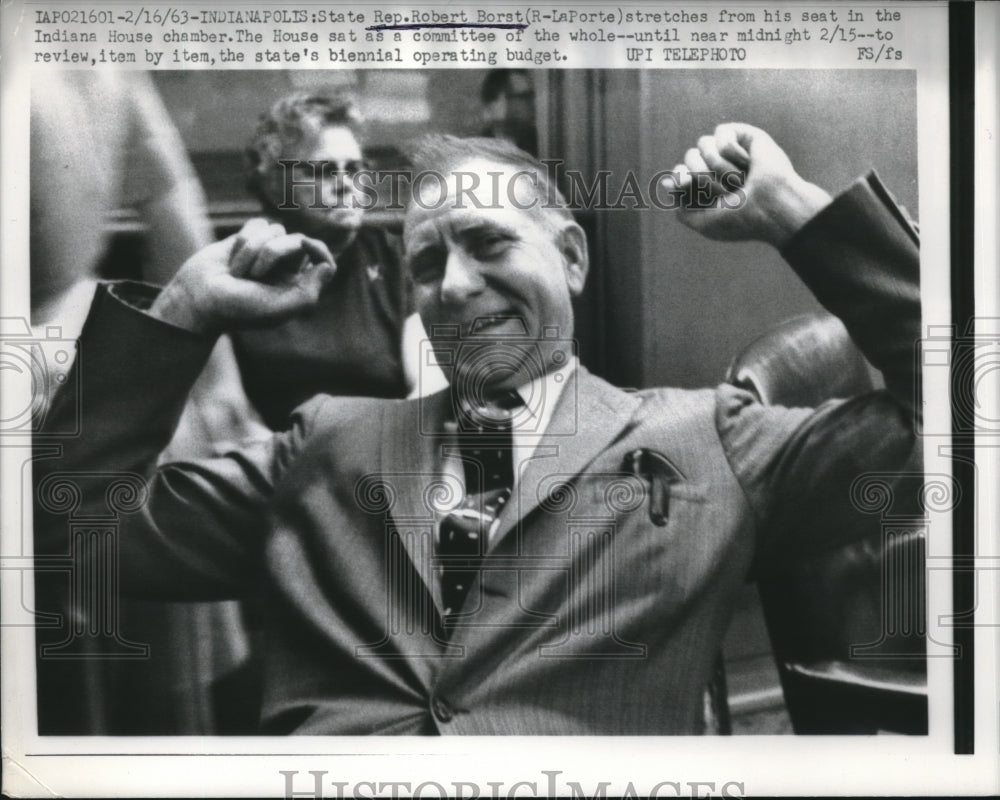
x,y
770,204
259,276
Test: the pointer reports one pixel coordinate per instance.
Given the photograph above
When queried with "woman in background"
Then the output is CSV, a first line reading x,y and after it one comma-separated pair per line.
x,y
363,337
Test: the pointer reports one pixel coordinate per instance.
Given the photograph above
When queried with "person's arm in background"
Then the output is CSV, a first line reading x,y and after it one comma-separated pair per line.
x,y
161,182
164,186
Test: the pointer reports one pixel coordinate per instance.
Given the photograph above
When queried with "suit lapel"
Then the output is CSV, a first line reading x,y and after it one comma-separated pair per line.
x,y
410,460
589,415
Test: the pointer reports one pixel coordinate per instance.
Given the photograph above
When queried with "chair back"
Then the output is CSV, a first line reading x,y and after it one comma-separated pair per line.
x,y
801,363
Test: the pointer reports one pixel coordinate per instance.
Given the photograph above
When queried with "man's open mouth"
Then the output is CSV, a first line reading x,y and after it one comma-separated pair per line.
x,y
508,322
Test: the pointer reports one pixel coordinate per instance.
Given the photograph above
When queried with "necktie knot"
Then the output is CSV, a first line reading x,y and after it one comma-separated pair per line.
x,y
486,415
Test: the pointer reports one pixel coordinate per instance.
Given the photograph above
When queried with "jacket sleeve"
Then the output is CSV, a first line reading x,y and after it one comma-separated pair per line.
x,y
188,531
860,257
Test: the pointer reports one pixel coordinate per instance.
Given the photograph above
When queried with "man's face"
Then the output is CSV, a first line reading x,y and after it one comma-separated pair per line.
x,y
493,282
332,183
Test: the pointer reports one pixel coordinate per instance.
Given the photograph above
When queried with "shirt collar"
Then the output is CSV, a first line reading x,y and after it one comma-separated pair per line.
x,y
540,397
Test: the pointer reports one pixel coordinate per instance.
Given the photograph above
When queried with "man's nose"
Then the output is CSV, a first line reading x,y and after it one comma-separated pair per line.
x,y
462,279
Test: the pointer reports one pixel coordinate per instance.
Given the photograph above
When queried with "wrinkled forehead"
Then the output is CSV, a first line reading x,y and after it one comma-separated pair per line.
x,y
480,188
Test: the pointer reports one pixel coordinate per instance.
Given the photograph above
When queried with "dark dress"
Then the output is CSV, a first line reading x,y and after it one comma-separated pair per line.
x,y
348,344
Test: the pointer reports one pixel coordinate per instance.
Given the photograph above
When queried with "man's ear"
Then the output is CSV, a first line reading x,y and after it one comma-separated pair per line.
x,y
576,257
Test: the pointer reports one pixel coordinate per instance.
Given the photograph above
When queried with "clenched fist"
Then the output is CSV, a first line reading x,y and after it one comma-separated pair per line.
x,y
259,276
769,204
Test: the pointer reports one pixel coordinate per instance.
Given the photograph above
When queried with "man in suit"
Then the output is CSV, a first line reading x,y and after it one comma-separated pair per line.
x,y
604,567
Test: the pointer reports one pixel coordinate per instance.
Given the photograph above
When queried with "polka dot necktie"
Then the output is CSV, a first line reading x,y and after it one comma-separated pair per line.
x,y
485,446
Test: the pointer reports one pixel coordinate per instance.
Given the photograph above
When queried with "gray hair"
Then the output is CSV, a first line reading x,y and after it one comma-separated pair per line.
x,y
288,122
442,153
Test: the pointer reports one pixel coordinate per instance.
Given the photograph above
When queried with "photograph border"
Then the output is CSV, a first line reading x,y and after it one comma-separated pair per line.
x,y
964,724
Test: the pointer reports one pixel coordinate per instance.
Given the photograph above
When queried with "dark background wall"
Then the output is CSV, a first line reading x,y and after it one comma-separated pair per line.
x,y
834,126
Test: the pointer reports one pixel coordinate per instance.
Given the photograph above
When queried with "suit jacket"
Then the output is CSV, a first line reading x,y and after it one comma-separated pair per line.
x,y
592,614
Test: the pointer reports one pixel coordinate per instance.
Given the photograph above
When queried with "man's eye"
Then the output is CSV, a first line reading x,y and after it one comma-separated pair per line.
x,y
426,269
489,246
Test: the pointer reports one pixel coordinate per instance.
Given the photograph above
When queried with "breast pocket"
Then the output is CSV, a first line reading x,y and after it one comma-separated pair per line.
x,y
630,534
663,551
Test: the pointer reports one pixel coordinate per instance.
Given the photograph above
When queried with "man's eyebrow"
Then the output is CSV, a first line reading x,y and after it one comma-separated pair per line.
x,y
470,229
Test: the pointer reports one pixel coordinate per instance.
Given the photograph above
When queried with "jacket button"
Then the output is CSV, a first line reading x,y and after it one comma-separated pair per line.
x,y
441,710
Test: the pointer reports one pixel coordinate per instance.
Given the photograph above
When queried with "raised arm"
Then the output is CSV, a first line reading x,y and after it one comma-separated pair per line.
x,y
259,276
746,188
859,256
193,532
857,253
